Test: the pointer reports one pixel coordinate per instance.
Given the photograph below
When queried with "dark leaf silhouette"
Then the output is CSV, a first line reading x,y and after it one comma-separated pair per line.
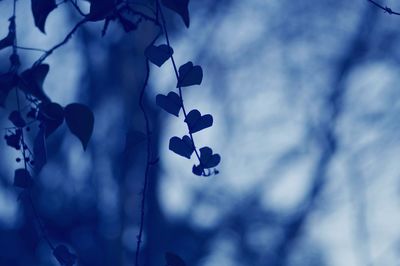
x,y
64,256
127,24
198,170
80,121
173,259
16,118
7,82
7,41
14,59
133,138
158,54
13,140
32,81
208,159
181,7
22,178
100,9
183,147
32,113
189,75
51,116
197,122
39,150
40,10
170,103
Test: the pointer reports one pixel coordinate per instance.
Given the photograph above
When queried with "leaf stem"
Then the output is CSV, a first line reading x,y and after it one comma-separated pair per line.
x,y
164,25
149,161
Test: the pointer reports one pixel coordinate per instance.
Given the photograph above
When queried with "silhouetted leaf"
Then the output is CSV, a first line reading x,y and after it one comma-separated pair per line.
x,y
133,138
183,147
158,54
14,140
14,60
32,113
127,24
208,159
16,118
51,116
7,41
22,178
198,170
32,81
189,75
39,150
197,122
80,121
173,259
7,82
100,9
64,256
170,103
181,7
40,10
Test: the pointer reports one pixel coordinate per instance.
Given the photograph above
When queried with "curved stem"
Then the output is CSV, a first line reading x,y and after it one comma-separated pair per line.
x,y
164,25
66,39
148,163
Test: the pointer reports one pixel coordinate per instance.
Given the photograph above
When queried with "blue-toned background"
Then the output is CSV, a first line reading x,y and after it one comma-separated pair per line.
x,y
306,103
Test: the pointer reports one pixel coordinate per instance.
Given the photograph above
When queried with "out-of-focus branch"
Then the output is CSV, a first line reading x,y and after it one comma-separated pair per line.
x,y
385,8
326,135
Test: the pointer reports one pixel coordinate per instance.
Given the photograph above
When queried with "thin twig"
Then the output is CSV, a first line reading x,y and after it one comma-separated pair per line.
x,y
30,49
75,5
66,39
384,8
24,146
149,161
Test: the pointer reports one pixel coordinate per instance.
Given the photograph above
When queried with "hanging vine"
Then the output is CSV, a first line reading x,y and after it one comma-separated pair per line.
x,y
34,107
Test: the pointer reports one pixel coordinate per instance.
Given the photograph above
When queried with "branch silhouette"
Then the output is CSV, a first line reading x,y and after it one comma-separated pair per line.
x,y
384,8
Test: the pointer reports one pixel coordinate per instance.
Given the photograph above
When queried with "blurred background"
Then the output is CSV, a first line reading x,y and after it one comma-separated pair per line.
x,y
306,103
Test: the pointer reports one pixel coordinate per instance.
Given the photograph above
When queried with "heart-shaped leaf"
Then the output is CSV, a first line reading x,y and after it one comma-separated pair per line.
x,y
173,260
197,122
179,6
100,9
183,147
170,103
189,75
80,121
198,170
158,54
7,82
32,81
16,118
22,178
39,150
40,10
64,256
51,116
208,159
